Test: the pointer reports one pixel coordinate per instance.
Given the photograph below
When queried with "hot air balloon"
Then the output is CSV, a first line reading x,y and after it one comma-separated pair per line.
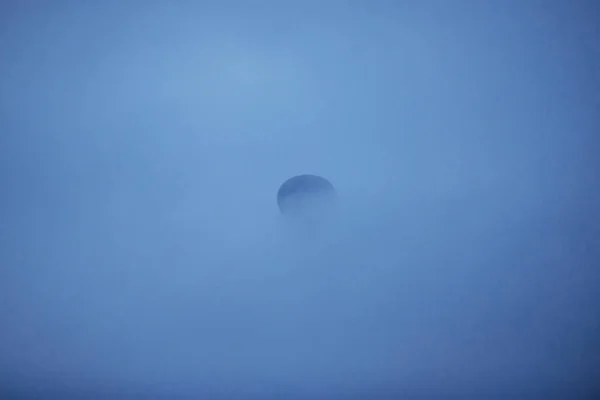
x,y
306,197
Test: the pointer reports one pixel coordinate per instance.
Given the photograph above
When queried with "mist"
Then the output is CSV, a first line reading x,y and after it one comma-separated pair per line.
x,y
142,252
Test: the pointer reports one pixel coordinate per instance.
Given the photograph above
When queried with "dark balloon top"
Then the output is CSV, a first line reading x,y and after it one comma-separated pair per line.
x,y
301,186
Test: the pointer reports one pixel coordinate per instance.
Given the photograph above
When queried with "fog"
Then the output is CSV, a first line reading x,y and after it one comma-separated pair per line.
x,y
142,252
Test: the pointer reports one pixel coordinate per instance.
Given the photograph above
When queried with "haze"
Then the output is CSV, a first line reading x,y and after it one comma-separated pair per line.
x,y
141,248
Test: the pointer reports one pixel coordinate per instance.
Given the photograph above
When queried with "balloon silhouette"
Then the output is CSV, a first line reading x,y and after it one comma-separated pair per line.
x,y
306,195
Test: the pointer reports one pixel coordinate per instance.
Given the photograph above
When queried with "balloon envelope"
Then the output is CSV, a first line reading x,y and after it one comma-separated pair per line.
x,y
305,194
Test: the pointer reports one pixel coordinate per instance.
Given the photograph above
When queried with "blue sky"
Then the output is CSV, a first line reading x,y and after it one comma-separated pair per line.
x,y
142,145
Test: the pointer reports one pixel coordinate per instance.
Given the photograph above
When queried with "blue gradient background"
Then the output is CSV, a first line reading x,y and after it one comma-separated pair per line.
x,y
142,145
